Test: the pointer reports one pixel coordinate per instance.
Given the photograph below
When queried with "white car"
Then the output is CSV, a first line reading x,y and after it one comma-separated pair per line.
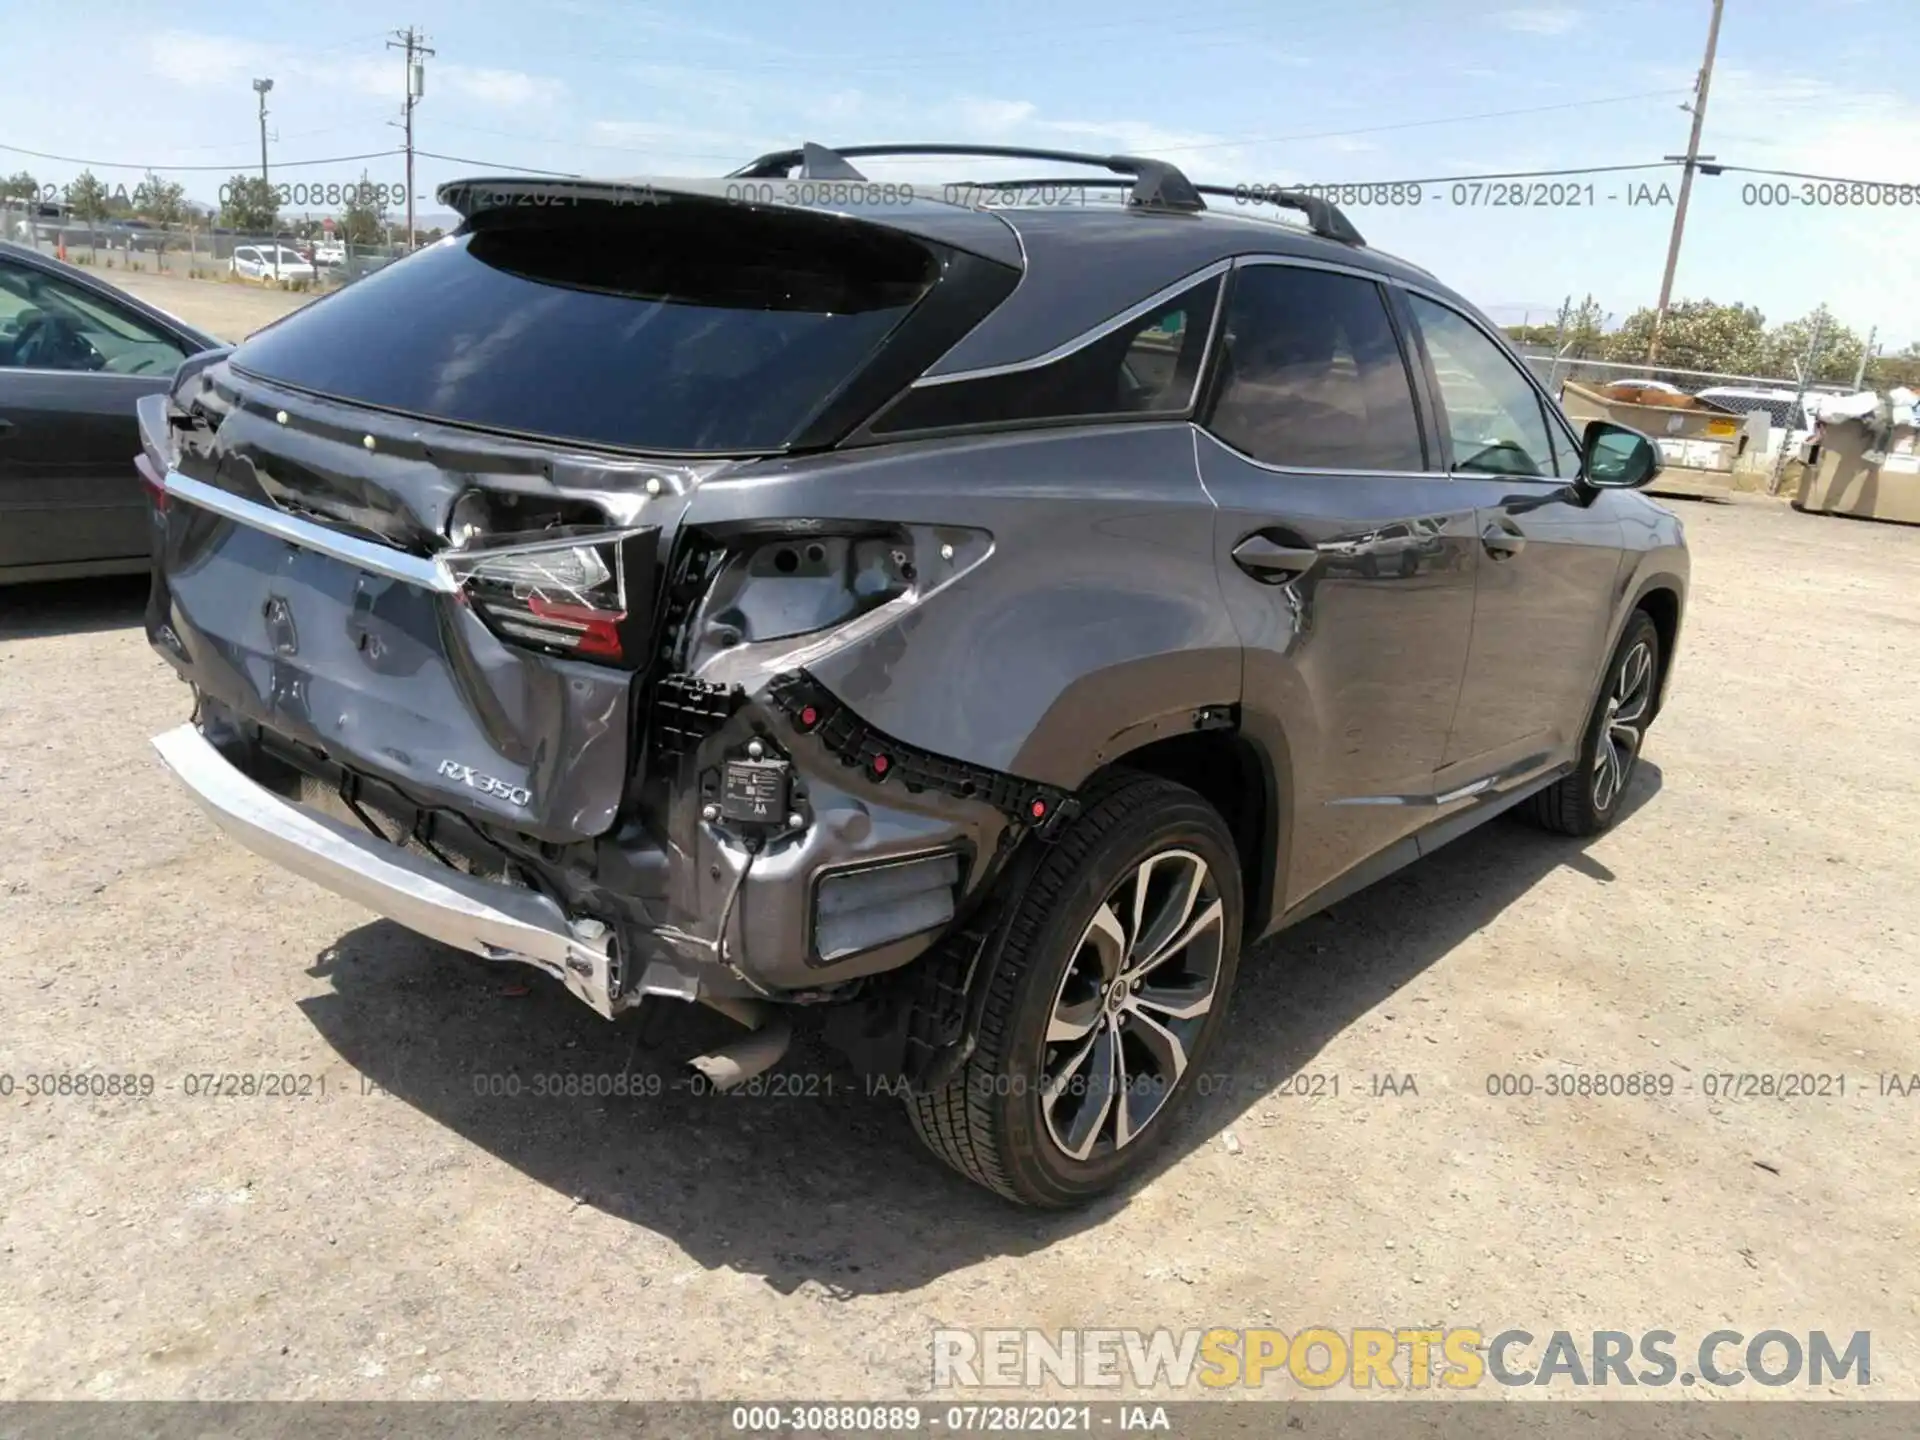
x,y
271,262
330,252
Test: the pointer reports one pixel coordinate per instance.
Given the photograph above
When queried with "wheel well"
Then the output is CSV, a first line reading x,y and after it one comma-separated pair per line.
x,y
1229,773
1663,608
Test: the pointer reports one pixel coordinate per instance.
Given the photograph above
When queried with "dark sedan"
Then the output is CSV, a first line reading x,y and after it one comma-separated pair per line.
x,y
76,356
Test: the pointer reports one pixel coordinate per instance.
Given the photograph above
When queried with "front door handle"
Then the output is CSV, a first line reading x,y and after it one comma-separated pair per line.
x,y
1502,542
1272,563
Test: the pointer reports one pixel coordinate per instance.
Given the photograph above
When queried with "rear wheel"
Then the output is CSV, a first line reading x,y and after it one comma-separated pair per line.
x,y
1111,988
1588,801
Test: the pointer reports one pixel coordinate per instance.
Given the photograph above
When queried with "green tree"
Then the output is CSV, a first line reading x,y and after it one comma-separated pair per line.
x,y
1698,335
87,201
363,220
248,204
1833,362
19,186
1887,371
164,202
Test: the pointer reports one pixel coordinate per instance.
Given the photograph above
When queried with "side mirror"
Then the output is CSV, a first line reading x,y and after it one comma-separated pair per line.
x,y
1616,457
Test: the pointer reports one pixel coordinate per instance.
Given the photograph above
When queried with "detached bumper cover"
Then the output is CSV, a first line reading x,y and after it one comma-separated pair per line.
x,y
487,918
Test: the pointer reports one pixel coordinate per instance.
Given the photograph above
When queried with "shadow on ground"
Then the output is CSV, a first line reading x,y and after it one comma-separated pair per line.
x,y
72,607
822,1181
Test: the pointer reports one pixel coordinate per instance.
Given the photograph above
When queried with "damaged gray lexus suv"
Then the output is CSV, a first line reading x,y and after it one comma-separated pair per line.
x,y
965,618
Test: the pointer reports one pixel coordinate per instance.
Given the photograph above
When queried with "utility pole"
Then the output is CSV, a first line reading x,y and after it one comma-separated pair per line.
x,y
1692,161
261,87
1866,354
414,44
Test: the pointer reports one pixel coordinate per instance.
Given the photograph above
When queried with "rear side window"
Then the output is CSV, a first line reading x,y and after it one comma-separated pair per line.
x,y
680,327
1147,366
1311,374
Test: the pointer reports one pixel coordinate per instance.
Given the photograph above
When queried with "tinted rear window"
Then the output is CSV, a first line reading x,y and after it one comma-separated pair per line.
x,y
1146,367
666,327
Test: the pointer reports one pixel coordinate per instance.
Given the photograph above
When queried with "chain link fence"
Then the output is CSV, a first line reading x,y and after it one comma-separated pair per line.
x,y
1783,401
313,262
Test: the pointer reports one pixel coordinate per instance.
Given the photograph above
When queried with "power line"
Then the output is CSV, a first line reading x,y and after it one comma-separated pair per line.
x,y
236,165
1501,175
669,149
1829,179
503,168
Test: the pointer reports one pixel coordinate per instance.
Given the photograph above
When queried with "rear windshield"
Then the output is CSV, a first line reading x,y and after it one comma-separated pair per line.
x,y
682,327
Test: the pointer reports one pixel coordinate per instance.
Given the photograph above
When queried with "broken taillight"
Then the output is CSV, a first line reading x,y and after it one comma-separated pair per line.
x,y
151,482
572,595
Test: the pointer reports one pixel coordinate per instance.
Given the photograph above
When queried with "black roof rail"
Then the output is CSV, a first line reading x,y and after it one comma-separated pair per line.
x,y
1151,184
1324,218
1155,185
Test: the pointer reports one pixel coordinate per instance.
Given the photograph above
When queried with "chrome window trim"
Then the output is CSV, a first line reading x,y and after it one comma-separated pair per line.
x,y
1089,337
365,555
1307,262
1348,473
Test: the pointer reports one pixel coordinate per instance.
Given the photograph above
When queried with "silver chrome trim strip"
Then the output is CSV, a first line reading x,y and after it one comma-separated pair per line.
x,y
366,555
1086,337
1306,262
1352,473
485,917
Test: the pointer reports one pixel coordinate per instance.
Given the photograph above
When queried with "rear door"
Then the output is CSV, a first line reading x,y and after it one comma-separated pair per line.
x,y
1549,561
1346,557
72,366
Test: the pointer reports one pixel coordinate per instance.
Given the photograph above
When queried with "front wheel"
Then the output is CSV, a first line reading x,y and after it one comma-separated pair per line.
x,y
1588,801
1110,990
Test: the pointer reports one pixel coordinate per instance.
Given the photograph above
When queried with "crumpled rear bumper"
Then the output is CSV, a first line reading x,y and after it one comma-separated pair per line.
x,y
487,918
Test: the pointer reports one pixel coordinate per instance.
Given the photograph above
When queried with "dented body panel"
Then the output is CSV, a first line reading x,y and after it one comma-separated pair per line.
x,y
746,722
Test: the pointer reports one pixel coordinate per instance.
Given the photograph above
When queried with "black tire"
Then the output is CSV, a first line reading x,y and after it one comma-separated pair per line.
x,y
992,1120
1584,803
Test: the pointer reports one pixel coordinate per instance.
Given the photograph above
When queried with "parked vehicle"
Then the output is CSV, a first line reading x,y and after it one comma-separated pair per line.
x,y
973,625
276,263
76,355
328,253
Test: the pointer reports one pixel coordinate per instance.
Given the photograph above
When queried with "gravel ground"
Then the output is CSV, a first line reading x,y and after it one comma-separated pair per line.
x,y
230,310
404,1236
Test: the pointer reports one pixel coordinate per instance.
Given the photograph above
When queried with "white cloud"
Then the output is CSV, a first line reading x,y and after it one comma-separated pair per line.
x,y
1541,19
513,88
205,60
221,62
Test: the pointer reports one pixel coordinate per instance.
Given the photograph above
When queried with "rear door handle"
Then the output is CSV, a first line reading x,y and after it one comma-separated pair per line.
x,y
1270,562
1502,542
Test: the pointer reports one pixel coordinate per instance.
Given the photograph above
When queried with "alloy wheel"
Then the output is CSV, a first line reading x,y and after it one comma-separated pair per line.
x,y
1131,1005
1623,726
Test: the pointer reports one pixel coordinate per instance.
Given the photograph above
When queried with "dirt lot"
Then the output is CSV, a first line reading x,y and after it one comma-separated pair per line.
x,y
404,1236
231,310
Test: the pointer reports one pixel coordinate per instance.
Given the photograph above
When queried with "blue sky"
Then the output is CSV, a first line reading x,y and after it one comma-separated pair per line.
x,y
1232,91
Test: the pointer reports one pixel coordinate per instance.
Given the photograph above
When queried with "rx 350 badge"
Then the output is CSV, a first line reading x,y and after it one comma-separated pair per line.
x,y
486,784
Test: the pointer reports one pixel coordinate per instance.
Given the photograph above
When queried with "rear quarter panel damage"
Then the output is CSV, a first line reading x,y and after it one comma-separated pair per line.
x,y
1091,621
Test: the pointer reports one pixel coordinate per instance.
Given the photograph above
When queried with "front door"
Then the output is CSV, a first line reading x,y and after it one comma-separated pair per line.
x,y
1347,562
1550,564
